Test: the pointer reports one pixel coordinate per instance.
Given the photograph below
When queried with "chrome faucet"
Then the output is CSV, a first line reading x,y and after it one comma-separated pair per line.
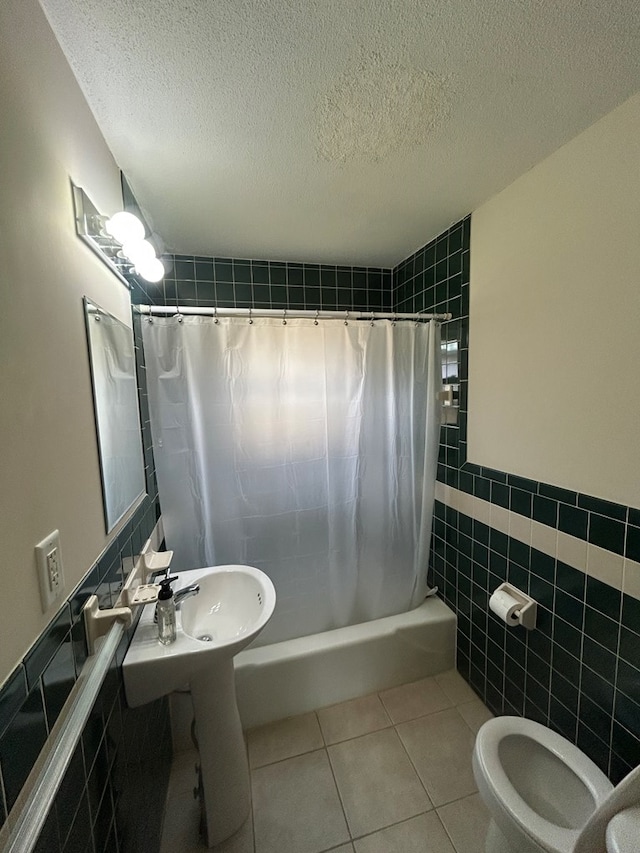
x,y
187,592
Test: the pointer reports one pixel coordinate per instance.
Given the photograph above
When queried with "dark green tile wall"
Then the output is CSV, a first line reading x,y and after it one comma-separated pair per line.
x,y
579,670
235,283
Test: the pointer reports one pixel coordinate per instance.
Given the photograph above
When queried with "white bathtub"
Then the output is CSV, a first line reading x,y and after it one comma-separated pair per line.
x,y
300,675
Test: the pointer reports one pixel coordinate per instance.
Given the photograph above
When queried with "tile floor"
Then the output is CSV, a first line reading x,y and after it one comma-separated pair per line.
x,y
386,773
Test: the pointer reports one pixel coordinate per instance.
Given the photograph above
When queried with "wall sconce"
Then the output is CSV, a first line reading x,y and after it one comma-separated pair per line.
x,y
118,240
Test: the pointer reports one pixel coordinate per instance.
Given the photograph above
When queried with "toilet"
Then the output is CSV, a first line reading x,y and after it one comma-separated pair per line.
x,y
545,795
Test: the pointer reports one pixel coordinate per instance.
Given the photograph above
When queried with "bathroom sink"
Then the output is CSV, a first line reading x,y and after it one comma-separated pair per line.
x,y
233,606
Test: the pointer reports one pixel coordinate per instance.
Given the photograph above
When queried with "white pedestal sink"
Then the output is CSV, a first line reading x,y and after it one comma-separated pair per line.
x,y
232,607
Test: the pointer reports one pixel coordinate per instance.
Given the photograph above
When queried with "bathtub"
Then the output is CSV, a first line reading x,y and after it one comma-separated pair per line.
x,y
311,672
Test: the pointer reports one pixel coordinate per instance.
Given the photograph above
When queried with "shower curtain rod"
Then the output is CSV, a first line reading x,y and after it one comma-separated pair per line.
x,y
288,314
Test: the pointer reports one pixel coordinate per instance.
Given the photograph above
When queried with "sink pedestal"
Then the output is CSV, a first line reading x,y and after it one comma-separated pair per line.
x,y
233,605
223,755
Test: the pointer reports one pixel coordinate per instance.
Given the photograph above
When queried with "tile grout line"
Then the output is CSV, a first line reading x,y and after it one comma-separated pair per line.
x,y
335,782
444,826
415,769
615,691
342,806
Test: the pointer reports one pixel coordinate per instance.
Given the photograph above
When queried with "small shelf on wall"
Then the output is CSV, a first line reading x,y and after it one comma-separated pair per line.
x,y
450,352
450,399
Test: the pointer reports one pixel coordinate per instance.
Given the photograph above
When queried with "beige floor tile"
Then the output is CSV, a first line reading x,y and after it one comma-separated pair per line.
x,y
344,848
415,700
352,719
296,808
466,821
440,747
455,687
181,828
377,783
475,714
283,739
241,842
183,777
422,834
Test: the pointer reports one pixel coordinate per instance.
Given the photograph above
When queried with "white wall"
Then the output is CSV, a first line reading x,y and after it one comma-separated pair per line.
x,y
49,475
554,368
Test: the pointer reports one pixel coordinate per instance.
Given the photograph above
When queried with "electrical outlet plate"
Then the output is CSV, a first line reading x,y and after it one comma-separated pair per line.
x,y
50,572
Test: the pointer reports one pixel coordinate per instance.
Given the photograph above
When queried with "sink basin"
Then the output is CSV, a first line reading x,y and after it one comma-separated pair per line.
x,y
232,607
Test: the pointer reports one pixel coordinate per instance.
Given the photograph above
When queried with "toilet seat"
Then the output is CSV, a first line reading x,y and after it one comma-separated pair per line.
x,y
542,833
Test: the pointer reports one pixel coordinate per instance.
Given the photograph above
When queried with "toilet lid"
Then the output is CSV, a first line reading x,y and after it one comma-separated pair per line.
x,y
625,795
623,831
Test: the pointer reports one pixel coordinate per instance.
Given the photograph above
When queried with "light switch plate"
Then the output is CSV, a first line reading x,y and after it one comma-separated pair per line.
x,y
50,572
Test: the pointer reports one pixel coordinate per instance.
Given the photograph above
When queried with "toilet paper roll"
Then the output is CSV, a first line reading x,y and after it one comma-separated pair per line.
x,y
505,606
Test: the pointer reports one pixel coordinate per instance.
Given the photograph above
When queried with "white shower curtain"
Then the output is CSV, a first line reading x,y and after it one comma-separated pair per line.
x,y
308,451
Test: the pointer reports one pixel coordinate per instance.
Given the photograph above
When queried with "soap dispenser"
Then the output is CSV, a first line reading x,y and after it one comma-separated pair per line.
x,y
166,612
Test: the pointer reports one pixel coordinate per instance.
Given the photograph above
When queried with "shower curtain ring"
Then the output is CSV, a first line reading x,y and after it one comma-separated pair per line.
x,y
315,322
215,315
250,317
284,317
393,320
373,317
346,318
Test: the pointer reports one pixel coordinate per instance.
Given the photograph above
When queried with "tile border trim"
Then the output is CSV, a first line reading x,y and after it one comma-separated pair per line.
x,y
610,568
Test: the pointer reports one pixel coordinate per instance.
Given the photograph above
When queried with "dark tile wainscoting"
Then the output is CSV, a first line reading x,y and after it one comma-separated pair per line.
x,y
119,772
579,671
114,789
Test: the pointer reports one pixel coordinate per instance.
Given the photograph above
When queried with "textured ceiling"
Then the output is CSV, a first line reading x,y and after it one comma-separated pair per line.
x,y
339,131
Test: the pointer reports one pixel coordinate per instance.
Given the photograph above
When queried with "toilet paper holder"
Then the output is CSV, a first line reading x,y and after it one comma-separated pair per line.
x,y
528,610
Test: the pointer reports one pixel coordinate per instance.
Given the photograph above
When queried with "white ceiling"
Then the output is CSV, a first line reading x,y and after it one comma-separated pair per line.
x,y
338,131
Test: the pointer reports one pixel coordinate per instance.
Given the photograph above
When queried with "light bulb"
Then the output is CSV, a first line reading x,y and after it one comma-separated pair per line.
x,y
138,251
150,270
124,227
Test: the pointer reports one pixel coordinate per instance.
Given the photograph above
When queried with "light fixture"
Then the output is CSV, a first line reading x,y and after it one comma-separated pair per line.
x,y
151,269
124,227
138,251
118,240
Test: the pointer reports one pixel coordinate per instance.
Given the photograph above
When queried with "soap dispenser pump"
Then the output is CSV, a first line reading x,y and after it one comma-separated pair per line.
x,y
166,611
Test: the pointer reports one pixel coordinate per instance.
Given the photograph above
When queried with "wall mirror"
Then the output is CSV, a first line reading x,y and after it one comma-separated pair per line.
x,y
115,397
